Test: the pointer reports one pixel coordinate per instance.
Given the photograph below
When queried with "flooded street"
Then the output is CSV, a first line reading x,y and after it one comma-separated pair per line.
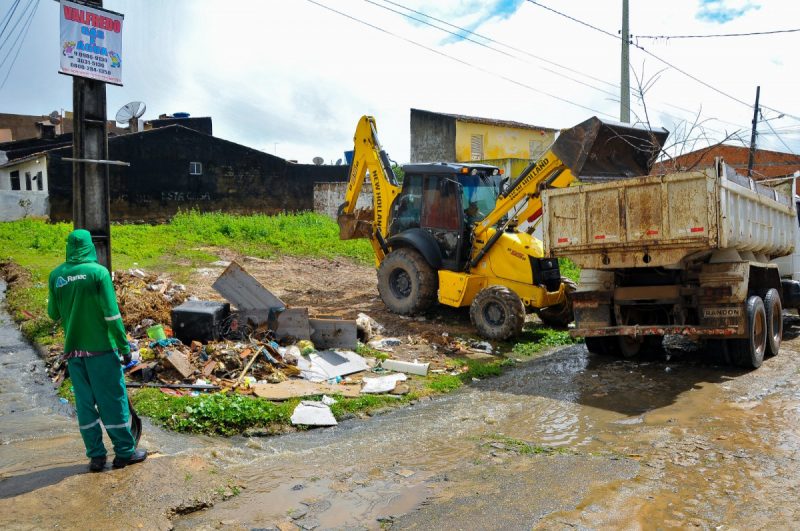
x,y
565,440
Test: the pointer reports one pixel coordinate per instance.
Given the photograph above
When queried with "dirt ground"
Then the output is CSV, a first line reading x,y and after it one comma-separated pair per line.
x,y
341,288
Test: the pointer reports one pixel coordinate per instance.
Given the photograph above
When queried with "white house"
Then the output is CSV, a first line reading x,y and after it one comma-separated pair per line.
x,y
23,188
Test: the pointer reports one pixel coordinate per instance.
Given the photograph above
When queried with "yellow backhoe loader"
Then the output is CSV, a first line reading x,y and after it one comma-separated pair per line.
x,y
449,231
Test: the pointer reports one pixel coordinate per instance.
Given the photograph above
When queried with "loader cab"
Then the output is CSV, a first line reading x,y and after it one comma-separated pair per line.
x,y
437,206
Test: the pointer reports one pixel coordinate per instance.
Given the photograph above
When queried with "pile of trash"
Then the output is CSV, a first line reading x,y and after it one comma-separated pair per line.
x,y
146,296
262,348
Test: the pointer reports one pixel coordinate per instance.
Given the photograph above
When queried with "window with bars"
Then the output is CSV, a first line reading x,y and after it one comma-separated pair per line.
x,y
15,185
476,147
195,168
39,183
28,182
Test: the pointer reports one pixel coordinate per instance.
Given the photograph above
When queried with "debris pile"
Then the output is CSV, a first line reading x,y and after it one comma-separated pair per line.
x,y
146,296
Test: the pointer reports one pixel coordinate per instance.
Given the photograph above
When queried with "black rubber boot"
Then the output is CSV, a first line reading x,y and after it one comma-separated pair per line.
x,y
97,464
137,457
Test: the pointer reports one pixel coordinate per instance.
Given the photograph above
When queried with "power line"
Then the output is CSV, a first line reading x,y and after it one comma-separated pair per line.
x,y
14,27
651,54
461,61
752,33
779,137
22,34
8,15
484,45
489,39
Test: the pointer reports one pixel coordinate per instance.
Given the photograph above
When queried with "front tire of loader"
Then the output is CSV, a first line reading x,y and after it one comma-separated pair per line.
x,y
406,282
497,313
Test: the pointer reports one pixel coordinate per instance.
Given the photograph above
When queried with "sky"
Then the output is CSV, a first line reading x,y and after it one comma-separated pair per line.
x,y
292,77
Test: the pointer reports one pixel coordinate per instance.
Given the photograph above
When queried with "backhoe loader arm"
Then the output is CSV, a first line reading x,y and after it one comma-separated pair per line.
x,y
368,158
595,148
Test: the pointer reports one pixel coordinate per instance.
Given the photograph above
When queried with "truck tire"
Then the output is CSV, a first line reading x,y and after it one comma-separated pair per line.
x,y
497,313
406,283
774,311
749,352
560,315
603,346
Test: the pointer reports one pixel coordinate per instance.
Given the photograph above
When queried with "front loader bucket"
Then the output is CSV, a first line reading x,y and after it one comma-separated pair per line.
x,y
596,148
355,225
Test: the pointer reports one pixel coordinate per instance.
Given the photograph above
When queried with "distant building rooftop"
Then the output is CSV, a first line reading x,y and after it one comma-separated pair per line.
x,y
487,121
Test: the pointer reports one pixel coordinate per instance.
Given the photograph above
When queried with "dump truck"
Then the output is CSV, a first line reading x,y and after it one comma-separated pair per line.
x,y
448,232
680,254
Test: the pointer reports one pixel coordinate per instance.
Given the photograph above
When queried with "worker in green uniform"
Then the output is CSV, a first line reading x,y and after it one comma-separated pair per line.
x,y
81,294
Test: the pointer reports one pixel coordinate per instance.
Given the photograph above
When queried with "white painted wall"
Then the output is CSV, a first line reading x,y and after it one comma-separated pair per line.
x,y
17,204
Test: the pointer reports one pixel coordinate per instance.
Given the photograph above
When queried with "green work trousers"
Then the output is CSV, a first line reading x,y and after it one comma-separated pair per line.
x,y
100,396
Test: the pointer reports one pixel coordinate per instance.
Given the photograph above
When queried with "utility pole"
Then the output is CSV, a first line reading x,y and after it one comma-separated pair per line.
x,y
625,77
91,209
751,159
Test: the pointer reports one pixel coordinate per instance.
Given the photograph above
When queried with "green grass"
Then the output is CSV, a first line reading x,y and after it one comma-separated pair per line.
x,y
524,448
446,383
177,247
569,269
65,391
369,352
537,338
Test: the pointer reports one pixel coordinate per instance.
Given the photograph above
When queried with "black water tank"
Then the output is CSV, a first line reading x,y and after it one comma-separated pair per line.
x,y
199,320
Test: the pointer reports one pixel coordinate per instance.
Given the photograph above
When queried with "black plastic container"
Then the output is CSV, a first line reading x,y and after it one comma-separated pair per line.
x,y
199,320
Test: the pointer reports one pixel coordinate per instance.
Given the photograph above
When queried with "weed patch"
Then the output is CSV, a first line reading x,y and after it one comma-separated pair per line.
x,y
523,448
534,340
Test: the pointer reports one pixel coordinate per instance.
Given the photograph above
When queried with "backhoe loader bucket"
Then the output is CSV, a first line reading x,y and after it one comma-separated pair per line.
x,y
355,225
596,148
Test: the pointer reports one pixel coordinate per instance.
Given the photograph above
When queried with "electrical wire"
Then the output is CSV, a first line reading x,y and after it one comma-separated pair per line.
x,y
456,59
749,34
484,45
22,35
664,61
8,15
14,27
504,45
779,137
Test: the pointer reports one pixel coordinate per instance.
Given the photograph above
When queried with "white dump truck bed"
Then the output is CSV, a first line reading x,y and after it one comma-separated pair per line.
x,y
661,220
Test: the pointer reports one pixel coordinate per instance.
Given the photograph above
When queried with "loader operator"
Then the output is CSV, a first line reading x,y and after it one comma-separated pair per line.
x,y
82,296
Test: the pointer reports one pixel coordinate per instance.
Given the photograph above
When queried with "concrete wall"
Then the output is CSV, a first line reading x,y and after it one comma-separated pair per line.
x,y
158,183
500,142
433,137
21,204
328,197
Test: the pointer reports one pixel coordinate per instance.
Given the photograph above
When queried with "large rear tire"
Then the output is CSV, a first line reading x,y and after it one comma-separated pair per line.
x,y
774,311
406,282
497,313
749,352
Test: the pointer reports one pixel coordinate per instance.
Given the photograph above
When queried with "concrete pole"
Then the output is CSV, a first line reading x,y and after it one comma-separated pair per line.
x,y
625,74
91,209
752,158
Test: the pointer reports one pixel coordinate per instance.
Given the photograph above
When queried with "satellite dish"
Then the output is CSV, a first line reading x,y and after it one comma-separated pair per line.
x,y
55,117
318,160
130,114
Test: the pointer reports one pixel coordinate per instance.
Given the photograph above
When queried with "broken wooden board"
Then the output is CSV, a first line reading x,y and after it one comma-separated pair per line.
x,y
178,360
293,323
334,333
245,292
300,388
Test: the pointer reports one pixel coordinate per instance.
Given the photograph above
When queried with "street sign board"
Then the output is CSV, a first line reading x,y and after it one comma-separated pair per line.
x,y
91,42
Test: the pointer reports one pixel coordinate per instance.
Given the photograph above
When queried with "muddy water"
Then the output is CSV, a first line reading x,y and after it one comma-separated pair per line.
x,y
680,442
643,444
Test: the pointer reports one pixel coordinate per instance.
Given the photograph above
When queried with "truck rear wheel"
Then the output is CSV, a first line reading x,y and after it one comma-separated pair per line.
x,y
774,311
603,346
497,313
750,352
406,283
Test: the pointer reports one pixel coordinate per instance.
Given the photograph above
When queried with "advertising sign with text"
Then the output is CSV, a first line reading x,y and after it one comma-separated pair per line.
x,y
91,42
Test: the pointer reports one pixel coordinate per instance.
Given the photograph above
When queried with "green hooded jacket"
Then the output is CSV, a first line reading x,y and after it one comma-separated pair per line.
x,y
81,294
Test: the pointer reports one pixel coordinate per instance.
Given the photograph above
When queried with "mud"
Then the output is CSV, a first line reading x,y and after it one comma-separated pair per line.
x,y
652,443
